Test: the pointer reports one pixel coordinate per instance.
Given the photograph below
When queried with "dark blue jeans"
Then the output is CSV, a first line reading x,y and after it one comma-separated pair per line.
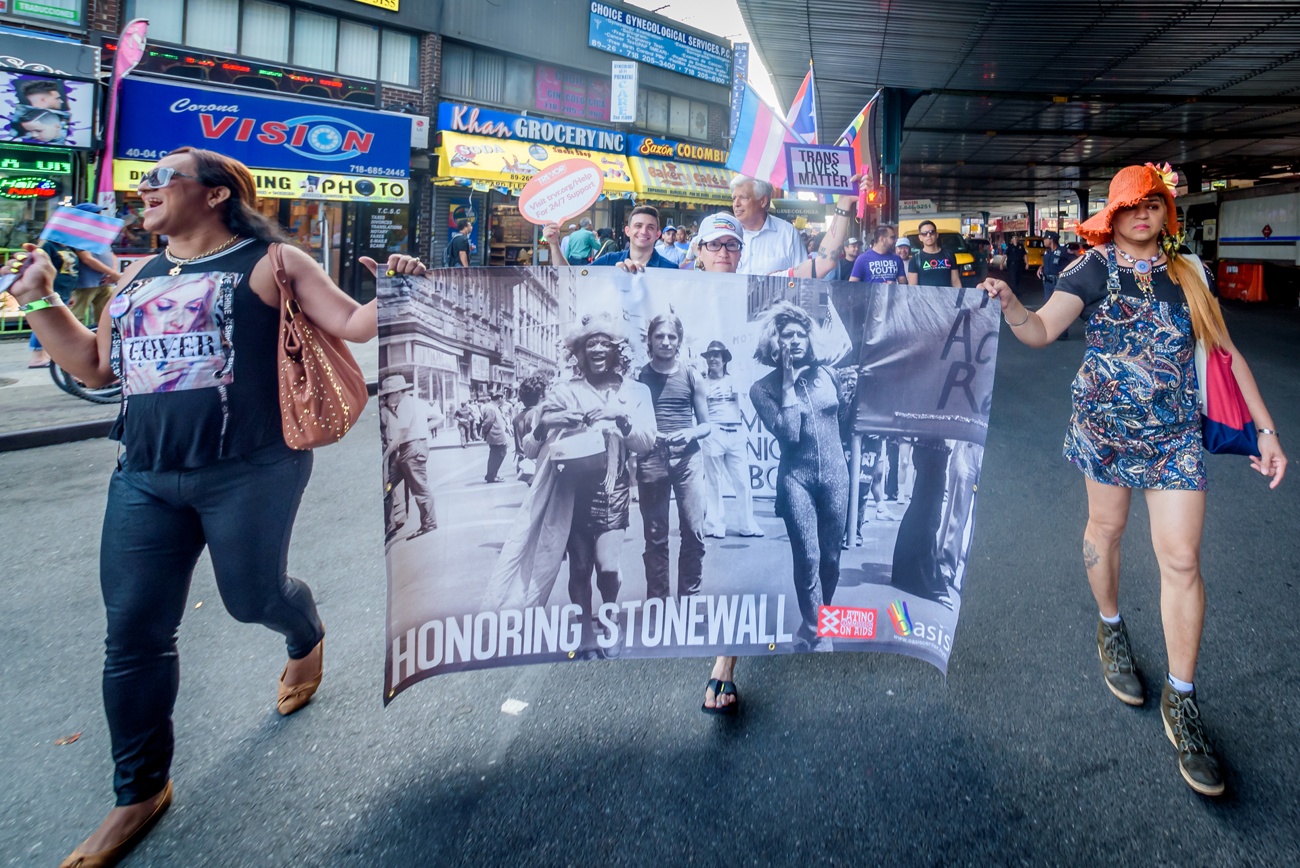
x,y
155,527
660,476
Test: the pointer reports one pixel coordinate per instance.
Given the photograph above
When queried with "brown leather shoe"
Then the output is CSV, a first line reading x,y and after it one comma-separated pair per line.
x,y
294,696
115,854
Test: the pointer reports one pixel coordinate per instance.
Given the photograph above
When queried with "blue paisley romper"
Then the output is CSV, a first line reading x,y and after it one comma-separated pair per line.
x,y
1136,421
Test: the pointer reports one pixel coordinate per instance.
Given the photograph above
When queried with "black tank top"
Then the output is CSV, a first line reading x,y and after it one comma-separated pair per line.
x,y
196,353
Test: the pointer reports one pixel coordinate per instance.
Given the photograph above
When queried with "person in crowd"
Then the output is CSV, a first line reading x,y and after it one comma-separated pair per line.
x,y
954,542
725,448
580,501
871,483
568,239
67,275
903,249
667,246
464,417
692,255
675,467
683,242
531,392
583,244
932,265
404,422
1054,259
915,567
496,433
800,402
605,236
771,244
852,250
1015,263
97,274
458,247
476,414
642,232
1136,425
880,264
223,438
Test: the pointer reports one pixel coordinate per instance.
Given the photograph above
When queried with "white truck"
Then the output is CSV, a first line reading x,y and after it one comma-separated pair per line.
x,y
1251,236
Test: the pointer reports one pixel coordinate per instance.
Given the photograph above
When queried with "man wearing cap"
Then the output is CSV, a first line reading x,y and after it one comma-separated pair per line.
x,y
404,426
667,246
496,434
771,244
642,232
903,250
724,448
1050,270
880,264
852,250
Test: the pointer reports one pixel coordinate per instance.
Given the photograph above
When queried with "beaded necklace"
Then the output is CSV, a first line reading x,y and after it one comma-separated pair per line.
x,y
1141,270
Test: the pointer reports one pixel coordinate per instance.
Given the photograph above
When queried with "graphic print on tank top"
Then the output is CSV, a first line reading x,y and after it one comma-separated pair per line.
x,y
172,332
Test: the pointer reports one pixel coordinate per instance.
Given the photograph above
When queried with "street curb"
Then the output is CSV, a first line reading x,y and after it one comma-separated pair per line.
x,y
33,438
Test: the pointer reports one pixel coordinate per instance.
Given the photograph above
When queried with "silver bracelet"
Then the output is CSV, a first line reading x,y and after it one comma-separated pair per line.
x,y
1016,325
1268,431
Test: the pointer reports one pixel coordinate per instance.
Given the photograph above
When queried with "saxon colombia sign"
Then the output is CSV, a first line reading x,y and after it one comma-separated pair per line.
x,y
262,132
619,30
560,558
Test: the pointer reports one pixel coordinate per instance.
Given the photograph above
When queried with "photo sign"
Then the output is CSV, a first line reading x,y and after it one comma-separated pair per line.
x,y
565,190
560,551
820,169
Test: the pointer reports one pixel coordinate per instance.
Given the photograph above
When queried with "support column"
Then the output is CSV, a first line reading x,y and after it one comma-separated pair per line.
x,y
1081,194
895,103
1031,217
1194,175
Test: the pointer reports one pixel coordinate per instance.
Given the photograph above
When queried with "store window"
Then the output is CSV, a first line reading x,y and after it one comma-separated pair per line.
x,y
495,79
657,112
274,31
679,116
520,83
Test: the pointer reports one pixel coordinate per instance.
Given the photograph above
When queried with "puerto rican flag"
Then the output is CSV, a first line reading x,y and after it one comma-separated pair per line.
x,y
758,150
802,117
82,229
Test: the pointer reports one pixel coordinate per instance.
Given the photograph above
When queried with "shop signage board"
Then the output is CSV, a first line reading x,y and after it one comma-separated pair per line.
x,y
820,169
512,164
670,180
39,162
67,12
159,117
280,184
917,206
477,121
390,5
739,75
44,52
40,109
480,367
28,188
564,190
621,31
622,101
669,149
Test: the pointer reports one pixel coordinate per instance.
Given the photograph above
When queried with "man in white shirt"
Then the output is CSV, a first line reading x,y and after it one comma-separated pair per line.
x,y
771,244
404,427
667,247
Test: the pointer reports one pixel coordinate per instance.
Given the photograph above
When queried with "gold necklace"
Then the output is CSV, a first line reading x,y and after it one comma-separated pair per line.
x,y
177,262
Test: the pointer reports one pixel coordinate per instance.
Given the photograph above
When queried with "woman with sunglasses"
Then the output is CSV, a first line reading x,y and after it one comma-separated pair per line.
x,y
202,461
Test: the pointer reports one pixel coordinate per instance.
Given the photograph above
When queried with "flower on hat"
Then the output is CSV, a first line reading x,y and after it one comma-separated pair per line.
x,y
1167,175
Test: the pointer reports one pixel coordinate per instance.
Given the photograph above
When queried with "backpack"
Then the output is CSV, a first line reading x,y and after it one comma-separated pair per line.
x,y
449,257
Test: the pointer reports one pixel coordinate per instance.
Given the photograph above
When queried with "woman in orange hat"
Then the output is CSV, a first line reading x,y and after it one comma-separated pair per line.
x,y
1136,424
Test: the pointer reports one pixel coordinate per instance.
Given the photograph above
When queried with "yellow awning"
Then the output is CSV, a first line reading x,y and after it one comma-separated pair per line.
x,y
667,179
512,164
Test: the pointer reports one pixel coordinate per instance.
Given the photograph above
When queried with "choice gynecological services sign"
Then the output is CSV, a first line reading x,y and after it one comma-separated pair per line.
x,y
510,575
820,169
564,190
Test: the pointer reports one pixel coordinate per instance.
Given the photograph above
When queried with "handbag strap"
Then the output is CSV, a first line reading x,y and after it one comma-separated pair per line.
x,y
1112,272
282,282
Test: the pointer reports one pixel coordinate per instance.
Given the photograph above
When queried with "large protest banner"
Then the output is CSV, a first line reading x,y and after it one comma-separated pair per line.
x,y
552,563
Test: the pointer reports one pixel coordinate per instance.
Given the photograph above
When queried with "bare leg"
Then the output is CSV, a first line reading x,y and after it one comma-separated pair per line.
x,y
1177,519
724,669
1108,507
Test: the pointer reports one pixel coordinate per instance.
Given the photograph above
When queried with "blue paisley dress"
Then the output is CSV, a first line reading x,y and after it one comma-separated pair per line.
x,y
1136,422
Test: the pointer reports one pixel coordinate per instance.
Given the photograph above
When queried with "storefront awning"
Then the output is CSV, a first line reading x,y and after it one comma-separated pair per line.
x,y
278,184
484,162
666,179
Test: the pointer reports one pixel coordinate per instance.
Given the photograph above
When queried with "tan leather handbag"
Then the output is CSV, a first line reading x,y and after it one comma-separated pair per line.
x,y
322,389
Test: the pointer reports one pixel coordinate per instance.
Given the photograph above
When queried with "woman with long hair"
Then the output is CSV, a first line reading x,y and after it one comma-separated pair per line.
x,y
1136,424
203,461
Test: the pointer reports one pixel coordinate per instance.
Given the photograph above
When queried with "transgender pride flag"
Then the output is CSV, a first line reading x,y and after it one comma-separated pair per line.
x,y
758,150
82,230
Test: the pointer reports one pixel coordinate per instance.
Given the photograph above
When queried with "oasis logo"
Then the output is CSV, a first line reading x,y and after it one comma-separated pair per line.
x,y
317,137
914,632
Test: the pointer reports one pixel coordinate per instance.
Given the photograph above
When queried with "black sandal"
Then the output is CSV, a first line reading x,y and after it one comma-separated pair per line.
x,y
722,688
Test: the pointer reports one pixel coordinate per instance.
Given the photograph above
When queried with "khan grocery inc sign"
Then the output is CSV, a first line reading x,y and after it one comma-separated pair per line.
x,y
262,132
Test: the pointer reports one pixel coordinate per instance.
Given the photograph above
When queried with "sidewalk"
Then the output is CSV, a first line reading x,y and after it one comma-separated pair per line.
x,y
34,411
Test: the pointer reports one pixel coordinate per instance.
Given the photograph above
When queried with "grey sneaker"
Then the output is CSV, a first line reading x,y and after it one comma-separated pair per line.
x,y
1196,758
1117,665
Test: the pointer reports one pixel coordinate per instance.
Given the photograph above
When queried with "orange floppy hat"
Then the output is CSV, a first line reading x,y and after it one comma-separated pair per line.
x,y
1130,186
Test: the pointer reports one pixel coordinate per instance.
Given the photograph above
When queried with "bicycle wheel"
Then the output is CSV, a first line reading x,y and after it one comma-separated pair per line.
x,y
110,394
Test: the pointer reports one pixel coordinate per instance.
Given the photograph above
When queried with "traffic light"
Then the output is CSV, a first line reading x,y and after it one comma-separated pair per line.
x,y
875,196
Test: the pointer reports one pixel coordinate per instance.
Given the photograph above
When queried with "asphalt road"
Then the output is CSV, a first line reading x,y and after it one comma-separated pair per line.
x,y
1020,757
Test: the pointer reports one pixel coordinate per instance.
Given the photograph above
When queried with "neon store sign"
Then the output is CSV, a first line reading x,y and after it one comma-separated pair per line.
x,y
28,188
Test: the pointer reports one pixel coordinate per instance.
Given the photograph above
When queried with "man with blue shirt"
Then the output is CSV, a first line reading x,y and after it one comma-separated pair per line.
x,y
880,264
582,244
642,232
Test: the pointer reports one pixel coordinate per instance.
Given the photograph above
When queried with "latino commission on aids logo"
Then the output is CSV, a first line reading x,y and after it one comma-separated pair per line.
x,y
845,622
910,631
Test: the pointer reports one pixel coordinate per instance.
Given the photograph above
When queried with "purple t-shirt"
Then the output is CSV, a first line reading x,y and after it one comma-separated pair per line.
x,y
873,267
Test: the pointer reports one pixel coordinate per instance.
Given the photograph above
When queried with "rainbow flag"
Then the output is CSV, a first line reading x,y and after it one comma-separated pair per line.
x,y
758,150
899,616
802,117
82,230
857,136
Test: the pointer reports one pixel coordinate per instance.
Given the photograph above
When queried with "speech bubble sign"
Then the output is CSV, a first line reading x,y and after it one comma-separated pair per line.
x,y
561,191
